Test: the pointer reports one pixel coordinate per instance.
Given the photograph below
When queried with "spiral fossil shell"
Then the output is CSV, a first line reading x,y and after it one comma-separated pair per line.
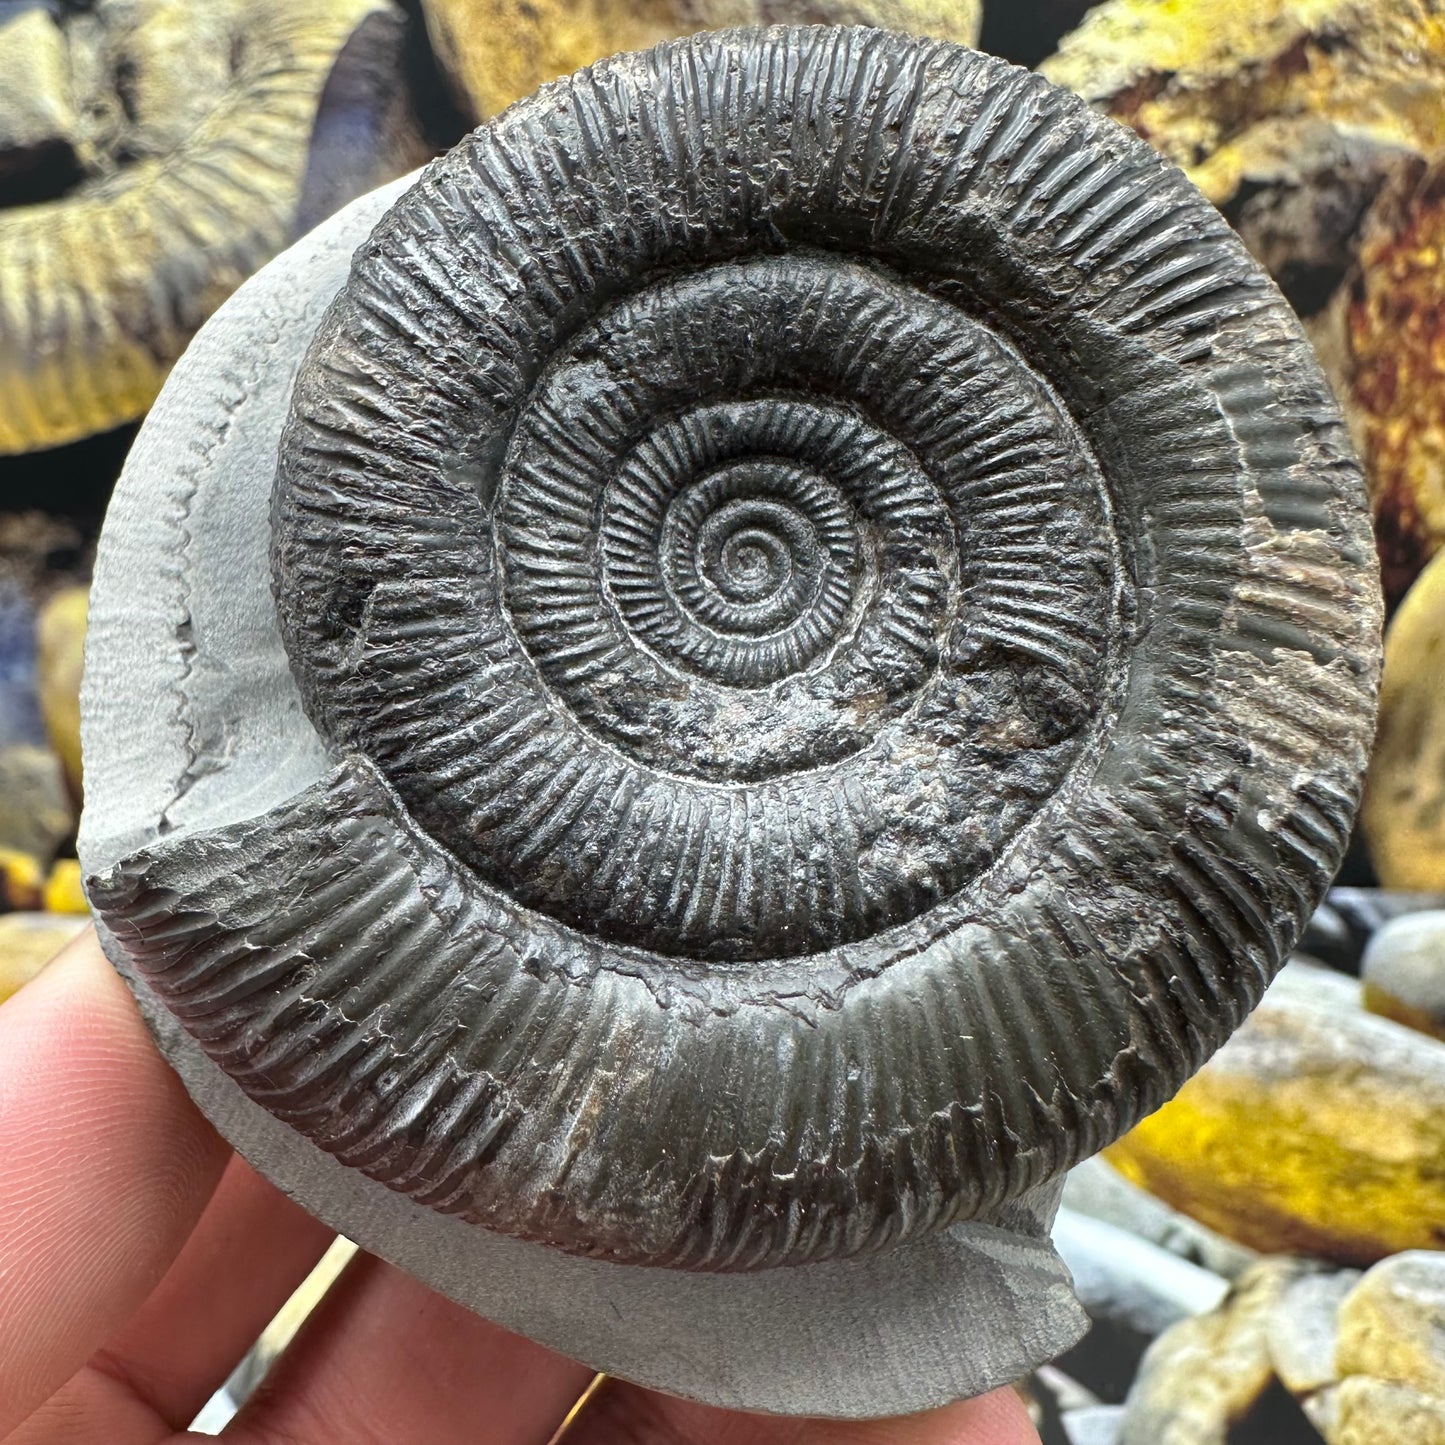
x,y
100,291
842,621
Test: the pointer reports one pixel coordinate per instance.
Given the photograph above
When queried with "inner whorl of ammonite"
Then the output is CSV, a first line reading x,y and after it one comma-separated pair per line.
x,y
840,612
790,597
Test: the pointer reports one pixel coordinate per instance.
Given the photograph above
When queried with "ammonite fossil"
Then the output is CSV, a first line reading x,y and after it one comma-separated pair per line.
x,y
820,646
187,127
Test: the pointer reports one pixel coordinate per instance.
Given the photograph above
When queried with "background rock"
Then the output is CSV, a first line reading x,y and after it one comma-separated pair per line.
x,y
1318,1128
1404,972
1403,815
28,941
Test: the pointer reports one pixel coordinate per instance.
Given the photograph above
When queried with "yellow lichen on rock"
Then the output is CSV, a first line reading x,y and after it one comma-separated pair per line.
x,y
497,51
60,655
101,290
1404,808
1317,1129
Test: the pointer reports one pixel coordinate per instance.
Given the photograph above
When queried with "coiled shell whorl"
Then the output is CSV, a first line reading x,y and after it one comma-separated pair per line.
x,y
843,617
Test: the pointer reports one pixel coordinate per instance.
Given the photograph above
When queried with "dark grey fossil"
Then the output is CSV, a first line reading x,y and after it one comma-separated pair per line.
x,y
840,626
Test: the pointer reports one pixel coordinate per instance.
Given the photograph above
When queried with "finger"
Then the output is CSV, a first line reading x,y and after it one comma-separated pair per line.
x,y
384,1359
621,1414
105,1166
251,1249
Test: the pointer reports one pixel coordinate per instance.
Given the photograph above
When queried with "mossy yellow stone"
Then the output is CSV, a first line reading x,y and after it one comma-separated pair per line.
x,y
28,941
497,51
1404,809
1205,1374
63,893
60,656
1318,1129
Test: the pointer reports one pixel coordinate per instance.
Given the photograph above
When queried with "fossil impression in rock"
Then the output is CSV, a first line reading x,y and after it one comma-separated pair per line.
x,y
820,648
187,127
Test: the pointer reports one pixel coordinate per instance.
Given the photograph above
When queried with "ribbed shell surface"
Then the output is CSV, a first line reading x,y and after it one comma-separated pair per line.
x,y
844,615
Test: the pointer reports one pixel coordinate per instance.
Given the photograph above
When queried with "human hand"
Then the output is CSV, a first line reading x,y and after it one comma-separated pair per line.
x,y
139,1258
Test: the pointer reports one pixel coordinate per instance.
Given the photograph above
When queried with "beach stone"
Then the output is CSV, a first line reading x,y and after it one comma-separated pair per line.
x,y
1343,925
1376,1412
1096,1189
1206,1374
63,891
36,813
28,941
1094,1425
22,880
1404,972
1392,1324
60,658
1403,814
1128,1281
1319,1128
1305,1329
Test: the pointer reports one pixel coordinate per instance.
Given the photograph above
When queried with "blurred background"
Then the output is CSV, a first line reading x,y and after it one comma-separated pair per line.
x,y
1264,1259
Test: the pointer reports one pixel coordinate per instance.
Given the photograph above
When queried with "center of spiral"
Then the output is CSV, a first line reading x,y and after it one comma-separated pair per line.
x,y
749,567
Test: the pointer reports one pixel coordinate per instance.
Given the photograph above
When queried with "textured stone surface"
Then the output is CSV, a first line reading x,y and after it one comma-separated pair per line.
x,y
1129,1282
1404,972
1404,810
1319,1128
1096,1189
35,810
60,636
1305,1329
1316,127
1376,1412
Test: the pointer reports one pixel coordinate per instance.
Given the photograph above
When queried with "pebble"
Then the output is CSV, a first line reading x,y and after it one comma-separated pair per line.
x,y
36,814
1392,1324
1125,1280
1318,1129
1375,1412
1403,814
1206,1374
28,941
1096,1189
1305,1328
60,656
21,881
64,892
1404,971
496,51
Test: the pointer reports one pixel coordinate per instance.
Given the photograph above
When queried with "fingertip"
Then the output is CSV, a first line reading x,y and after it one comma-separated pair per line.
x,y
105,1165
